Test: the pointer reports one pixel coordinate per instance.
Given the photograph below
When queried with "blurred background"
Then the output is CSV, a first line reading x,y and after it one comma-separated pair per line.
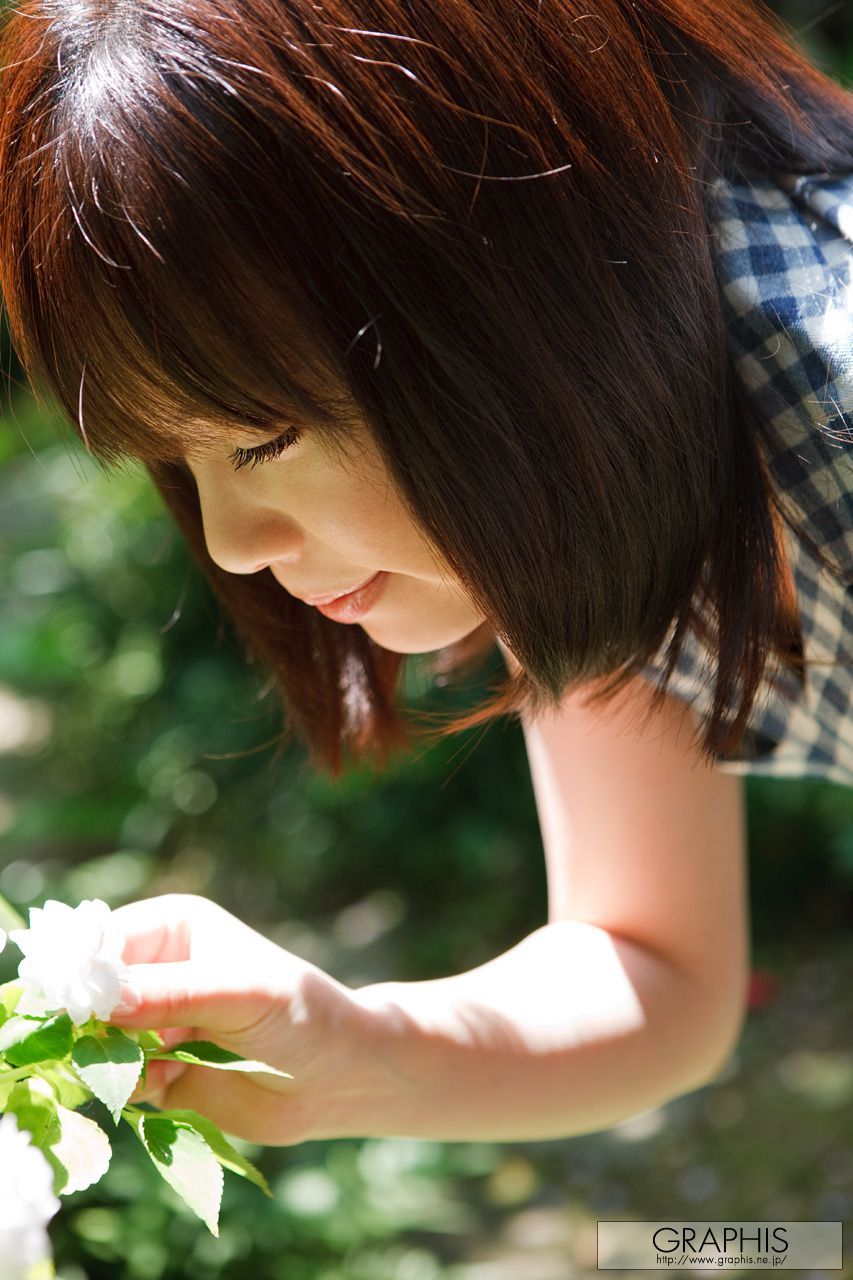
x,y
135,760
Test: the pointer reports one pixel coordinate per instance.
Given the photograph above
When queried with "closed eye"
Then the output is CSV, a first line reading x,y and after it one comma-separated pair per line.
x,y
264,452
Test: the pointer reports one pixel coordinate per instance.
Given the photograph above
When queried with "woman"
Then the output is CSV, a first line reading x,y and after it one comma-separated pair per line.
x,y
468,306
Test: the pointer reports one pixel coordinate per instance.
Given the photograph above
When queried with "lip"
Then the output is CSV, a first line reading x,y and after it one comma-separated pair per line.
x,y
340,594
355,604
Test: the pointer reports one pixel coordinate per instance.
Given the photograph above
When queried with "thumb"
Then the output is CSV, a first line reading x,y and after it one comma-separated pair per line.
x,y
183,993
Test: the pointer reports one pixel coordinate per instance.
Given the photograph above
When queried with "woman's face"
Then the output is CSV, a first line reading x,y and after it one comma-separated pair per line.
x,y
324,525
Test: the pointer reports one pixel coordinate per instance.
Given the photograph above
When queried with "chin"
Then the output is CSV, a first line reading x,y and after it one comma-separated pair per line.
x,y
429,636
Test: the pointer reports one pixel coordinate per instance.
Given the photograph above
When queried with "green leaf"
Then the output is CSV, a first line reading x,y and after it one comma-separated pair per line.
x,y
221,1147
71,1093
9,917
149,1040
35,1110
34,1107
17,1028
110,1065
83,1151
182,1157
10,994
203,1053
26,1040
58,1079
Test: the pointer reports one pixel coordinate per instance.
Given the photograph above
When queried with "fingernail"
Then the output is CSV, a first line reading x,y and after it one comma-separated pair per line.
x,y
129,1002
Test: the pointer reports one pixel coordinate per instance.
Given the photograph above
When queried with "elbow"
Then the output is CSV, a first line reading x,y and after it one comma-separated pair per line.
x,y
719,1021
727,1043
694,1026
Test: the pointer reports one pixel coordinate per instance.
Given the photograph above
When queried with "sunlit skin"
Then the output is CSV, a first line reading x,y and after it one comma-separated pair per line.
x,y
323,524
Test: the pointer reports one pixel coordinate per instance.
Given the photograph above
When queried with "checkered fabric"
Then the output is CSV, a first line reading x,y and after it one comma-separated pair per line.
x,y
784,257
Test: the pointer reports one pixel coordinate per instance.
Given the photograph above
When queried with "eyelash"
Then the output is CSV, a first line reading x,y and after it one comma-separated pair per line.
x,y
264,452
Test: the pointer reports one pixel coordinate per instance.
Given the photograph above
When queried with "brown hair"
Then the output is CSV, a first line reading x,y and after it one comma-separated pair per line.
x,y
488,223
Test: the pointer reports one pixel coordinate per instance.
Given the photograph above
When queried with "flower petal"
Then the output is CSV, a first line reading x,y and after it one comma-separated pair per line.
x,y
27,1201
72,958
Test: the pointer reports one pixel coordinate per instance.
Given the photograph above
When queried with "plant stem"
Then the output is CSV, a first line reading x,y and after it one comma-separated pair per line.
x,y
15,1073
46,1075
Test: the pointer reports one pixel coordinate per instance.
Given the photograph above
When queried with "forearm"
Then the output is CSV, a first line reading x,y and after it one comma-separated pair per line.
x,y
571,1031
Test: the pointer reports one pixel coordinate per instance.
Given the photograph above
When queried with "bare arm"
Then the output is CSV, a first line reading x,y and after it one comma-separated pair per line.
x,y
632,993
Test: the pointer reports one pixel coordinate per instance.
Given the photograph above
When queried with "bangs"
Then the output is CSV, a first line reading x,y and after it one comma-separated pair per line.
x,y
153,283
156,366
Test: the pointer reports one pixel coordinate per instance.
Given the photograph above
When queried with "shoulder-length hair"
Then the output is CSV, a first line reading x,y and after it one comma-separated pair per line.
x,y
488,223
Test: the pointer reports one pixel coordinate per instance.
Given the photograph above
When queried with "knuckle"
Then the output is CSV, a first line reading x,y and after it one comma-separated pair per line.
x,y
174,1035
183,901
177,1005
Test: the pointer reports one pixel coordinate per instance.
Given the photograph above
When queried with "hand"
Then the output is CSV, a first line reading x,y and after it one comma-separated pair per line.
x,y
203,974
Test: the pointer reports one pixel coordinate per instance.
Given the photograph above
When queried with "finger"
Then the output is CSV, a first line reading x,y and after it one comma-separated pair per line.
x,y
238,1107
156,928
188,993
158,1078
160,1074
174,1035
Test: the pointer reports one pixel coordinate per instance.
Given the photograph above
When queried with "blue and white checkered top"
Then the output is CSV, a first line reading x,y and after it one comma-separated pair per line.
x,y
784,256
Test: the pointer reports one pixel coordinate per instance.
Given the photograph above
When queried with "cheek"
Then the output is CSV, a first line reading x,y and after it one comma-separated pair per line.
x,y
358,512
373,536
365,513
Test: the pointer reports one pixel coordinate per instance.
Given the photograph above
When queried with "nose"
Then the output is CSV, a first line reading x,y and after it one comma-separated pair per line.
x,y
241,536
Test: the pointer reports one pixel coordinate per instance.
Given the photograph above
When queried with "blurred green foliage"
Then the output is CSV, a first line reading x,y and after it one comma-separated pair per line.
x,y
135,759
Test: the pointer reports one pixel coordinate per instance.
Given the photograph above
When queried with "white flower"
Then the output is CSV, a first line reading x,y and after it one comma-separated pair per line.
x,y
72,960
27,1202
2,939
